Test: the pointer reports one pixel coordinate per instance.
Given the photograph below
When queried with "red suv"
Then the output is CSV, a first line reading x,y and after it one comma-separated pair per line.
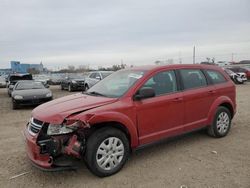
x,y
126,110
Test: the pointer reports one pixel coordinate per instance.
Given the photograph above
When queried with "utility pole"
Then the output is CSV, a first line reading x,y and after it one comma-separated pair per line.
x,y
180,60
232,57
194,55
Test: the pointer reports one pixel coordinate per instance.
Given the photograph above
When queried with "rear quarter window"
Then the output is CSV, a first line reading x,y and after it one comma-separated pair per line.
x,y
192,78
216,77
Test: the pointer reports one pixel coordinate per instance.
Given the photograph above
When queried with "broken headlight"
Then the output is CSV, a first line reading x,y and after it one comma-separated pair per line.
x,y
58,129
65,128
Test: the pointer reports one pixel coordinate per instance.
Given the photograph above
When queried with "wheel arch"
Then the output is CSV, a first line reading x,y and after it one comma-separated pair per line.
x,y
112,124
115,120
229,107
221,101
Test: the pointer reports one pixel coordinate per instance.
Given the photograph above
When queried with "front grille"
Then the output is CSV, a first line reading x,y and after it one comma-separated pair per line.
x,y
35,126
36,121
80,82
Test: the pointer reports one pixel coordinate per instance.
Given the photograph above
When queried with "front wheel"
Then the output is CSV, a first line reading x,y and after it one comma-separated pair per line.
x,y
86,87
221,123
107,151
14,106
70,88
238,80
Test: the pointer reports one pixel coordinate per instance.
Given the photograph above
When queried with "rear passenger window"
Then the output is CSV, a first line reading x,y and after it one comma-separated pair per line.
x,y
216,76
192,78
162,83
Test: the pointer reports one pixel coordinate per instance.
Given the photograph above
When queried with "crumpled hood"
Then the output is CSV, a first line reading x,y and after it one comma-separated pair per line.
x,y
57,110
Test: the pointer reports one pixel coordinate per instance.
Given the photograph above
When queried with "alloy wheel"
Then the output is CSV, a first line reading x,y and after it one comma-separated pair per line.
x,y
222,122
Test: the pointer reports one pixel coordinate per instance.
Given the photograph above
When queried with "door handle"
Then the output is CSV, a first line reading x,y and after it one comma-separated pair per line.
x,y
178,99
212,91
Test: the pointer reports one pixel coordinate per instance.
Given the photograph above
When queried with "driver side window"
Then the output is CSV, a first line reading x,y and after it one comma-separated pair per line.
x,y
162,83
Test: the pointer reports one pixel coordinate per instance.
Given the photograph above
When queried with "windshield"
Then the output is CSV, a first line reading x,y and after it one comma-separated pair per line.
x,y
116,84
29,85
105,74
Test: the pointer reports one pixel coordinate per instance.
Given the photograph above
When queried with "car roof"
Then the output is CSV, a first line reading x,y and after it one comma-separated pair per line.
x,y
20,74
175,66
22,81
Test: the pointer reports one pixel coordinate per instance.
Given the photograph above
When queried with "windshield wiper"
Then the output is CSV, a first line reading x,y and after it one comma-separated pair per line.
x,y
94,93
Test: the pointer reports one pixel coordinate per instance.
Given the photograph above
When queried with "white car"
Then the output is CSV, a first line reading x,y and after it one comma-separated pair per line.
x,y
242,75
237,78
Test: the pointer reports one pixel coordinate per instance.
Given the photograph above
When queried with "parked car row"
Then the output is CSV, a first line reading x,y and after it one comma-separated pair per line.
x,y
238,73
25,89
75,82
240,70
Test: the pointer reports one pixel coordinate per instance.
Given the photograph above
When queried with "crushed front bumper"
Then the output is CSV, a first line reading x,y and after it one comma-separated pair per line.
x,y
33,152
45,161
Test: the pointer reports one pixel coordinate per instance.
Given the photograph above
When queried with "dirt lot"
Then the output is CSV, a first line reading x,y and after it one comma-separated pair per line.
x,y
188,160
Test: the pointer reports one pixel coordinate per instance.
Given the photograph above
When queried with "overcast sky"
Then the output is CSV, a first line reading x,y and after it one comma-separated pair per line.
x,y
101,33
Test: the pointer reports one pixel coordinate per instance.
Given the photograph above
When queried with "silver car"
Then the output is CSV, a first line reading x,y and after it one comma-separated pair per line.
x,y
95,77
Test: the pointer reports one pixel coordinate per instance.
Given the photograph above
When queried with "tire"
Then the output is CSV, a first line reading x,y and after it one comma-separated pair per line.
x,y
86,87
112,157
69,88
14,106
221,123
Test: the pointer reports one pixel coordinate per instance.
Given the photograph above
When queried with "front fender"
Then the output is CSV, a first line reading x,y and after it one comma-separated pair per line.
x,y
215,105
103,117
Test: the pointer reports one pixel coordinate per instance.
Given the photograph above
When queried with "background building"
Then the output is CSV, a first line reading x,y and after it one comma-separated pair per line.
x,y
17,67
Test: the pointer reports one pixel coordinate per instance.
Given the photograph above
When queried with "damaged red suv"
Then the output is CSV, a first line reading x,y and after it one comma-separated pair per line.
x,y
126,110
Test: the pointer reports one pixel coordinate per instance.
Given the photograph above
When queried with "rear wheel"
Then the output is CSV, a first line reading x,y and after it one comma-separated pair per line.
x,y
221,123
107,151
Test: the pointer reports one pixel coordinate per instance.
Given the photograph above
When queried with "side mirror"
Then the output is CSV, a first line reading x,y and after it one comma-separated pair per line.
x,y
145,92
47,86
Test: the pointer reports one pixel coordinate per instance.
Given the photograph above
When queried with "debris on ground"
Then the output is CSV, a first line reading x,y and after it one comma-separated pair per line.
x,y
22,174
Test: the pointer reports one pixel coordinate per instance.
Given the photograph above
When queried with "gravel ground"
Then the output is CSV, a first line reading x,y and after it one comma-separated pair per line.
x,y
194,160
